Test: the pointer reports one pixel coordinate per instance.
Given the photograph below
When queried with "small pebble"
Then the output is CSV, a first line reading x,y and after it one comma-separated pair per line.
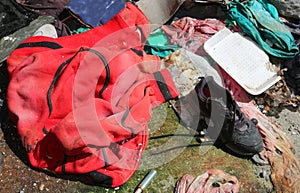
x,y
117,188
41,187
261,106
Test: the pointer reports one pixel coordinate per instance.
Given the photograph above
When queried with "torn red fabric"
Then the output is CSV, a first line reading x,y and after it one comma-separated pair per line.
x,y
81,103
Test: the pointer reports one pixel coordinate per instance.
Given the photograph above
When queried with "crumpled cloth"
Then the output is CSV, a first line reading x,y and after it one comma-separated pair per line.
x,y
212,181
13,17
48,8
158,44
45,7
259,20
191,33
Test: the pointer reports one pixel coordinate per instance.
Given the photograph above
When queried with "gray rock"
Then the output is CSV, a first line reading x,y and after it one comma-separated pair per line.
x,y
290,9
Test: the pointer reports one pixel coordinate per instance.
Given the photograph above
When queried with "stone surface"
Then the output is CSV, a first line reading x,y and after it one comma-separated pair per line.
x,y
290,9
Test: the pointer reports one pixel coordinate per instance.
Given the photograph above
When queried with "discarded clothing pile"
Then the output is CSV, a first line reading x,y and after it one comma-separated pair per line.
x,y
81,97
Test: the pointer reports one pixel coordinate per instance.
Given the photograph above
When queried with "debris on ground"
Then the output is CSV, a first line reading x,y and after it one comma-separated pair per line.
x,y
185,161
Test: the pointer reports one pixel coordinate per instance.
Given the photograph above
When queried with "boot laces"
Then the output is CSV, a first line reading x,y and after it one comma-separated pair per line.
x,y
241,122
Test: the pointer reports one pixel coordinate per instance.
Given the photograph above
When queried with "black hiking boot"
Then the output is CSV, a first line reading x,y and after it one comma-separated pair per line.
x,y
226,122
237,132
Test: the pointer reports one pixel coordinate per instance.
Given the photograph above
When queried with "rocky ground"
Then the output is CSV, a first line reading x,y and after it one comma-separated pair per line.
x,y
289,121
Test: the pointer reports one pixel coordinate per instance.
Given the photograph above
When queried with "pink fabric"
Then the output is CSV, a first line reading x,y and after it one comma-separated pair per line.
x,y
212,181
191,33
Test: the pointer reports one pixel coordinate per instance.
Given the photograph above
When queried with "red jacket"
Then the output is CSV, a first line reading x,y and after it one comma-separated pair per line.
x,y
81,103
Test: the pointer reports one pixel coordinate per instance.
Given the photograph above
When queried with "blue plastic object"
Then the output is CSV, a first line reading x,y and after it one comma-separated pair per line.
x,y
96,12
